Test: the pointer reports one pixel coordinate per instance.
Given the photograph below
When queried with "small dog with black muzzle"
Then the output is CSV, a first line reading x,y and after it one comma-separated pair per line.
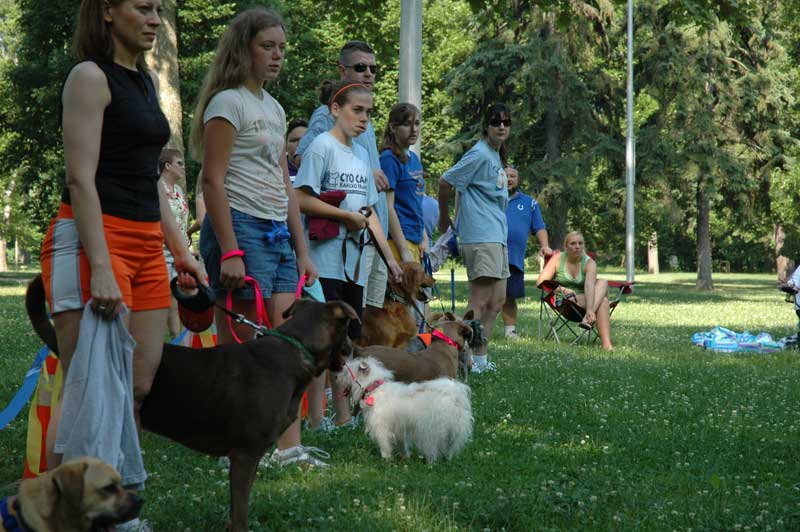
x,y
434,417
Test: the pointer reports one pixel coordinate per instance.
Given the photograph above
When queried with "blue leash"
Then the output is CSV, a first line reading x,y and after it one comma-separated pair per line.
x,y
25,391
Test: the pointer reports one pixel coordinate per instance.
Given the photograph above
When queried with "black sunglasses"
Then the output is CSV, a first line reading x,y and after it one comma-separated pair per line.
x,y
497,122
361,67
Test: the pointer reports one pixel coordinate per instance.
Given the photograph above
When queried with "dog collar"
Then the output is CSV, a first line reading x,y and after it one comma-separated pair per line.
x,y
442,336
294,341
10,523
369,400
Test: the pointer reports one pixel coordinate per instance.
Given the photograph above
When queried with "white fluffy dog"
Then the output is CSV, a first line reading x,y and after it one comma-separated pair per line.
x,y
435,417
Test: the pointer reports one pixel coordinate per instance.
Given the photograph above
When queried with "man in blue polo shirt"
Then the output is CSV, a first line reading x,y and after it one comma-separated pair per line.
x,y
524,218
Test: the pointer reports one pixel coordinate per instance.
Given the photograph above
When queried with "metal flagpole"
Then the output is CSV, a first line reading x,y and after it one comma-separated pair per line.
x,y
410,78
630,158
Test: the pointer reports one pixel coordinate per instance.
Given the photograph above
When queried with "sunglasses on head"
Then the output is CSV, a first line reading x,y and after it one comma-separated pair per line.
x,y
361,67
497,122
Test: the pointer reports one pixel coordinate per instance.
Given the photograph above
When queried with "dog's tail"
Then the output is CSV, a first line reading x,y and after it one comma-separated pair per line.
x,y
37,312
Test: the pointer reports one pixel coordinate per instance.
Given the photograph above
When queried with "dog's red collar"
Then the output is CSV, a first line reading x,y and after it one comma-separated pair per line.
x,y
442,336
368,399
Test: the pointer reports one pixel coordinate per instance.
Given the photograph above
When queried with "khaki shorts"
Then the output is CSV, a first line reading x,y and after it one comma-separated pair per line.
x,y
375,291
488,259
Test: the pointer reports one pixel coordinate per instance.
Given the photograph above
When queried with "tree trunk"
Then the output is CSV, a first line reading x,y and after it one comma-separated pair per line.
x,y
704,281
783,264
163,61
3,260
652,254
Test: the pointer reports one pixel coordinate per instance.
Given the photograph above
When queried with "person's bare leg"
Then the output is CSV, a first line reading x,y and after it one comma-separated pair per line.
x,y
603,324
276,305
173,319
510,312
600,293
486,297
247,308
480,295
146,327
316,396
67,325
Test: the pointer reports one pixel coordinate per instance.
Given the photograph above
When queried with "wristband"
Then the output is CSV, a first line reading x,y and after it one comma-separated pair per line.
x,y
232,253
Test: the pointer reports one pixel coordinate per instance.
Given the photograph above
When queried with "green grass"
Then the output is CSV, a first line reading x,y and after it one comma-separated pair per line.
x,y
654,436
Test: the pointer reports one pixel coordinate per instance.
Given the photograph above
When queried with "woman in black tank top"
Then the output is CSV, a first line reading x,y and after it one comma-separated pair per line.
x,y
114,131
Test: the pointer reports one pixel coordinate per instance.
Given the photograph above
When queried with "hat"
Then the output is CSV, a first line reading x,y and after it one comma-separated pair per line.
x,y
195,310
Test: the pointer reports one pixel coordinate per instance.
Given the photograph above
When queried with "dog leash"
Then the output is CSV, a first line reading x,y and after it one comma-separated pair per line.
x,y
261,311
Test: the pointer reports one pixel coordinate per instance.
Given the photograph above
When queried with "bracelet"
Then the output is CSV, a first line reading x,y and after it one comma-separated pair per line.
x,y
232,253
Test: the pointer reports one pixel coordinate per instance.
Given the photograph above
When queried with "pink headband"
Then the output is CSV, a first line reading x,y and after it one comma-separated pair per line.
x,y
348,86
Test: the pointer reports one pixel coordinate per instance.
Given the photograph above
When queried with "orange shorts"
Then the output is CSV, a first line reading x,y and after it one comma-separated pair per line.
x,y
136,255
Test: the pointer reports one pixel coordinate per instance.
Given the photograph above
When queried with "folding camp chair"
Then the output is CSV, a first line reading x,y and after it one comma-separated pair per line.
x,y
563,315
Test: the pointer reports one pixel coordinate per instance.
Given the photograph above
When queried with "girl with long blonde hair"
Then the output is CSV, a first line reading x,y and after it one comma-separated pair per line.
x,y
239,133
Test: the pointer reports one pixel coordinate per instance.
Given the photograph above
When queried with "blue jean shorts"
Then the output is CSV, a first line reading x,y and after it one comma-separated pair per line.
x,y
273,265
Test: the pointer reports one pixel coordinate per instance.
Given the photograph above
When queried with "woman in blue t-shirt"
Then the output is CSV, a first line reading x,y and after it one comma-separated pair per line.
x,y
481,181
403,170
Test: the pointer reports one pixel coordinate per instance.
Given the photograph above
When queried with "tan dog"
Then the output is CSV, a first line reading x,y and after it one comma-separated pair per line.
x,y
439,359
393,325
82,495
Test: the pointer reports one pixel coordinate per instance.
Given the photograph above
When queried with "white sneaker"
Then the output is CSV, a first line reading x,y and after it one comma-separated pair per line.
x,y
135,525
299,455
485,367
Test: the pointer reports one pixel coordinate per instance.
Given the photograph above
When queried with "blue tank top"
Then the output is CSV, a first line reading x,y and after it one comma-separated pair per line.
x,y
134,132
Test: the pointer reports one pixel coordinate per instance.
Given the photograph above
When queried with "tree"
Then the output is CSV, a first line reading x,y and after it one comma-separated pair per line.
x,y
163,61
547,60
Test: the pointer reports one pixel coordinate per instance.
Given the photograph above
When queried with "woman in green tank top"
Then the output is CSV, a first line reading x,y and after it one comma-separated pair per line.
x,y
576,272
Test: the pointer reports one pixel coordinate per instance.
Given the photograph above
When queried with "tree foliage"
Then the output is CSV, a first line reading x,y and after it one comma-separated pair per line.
x,y
716,114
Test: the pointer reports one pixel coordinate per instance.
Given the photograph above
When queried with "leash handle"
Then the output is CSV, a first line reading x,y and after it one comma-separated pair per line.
x,y
299,292
261,311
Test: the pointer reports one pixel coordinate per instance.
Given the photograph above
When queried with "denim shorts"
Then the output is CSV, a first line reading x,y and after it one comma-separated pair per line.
x,y
273,265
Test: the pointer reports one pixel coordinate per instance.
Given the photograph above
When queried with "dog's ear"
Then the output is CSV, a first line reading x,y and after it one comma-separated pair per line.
x,y
68,482
436,316
470,315
342,310
450,316
465,331
410,280
428,281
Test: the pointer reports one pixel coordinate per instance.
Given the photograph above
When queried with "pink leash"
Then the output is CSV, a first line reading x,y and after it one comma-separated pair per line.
x,y
261,310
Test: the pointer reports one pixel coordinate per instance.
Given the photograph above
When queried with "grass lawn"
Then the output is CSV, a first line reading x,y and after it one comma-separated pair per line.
x,y
654,436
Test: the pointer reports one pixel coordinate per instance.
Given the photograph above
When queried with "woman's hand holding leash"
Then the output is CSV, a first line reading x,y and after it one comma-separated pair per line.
x,y
307,269
232,271
355,221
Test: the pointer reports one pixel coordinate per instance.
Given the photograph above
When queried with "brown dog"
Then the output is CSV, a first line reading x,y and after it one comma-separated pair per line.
x,y
439,359
393,325
82,495
235,400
